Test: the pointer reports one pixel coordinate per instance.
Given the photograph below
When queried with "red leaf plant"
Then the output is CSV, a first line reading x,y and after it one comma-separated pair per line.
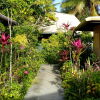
x,y
78,44
4,39
67,26
78,49
63,55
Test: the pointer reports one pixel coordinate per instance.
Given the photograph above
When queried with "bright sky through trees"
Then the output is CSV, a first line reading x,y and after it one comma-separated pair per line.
x,y
58,6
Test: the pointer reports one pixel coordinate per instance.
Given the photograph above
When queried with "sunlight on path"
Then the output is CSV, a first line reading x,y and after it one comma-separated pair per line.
x,y
47,86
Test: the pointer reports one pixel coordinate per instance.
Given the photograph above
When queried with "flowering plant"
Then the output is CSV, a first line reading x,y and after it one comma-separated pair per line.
x,y
4,39
67,27
21,39
77,43
26,72
77,51
63,55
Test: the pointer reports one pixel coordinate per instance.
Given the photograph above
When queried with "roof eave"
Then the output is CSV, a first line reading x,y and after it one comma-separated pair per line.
x,y
7,21
88,25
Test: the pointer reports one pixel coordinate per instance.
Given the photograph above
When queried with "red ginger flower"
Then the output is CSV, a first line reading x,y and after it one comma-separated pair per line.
x,y
77,43
4,39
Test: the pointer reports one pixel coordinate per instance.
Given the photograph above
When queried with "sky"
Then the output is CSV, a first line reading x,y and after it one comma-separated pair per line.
x,y
58,6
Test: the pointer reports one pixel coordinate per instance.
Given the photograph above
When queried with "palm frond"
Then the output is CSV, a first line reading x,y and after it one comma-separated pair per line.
x,y
70,3
80,6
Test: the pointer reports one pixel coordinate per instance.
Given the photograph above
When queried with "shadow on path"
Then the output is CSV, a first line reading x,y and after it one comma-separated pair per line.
x,y
48,86
52,96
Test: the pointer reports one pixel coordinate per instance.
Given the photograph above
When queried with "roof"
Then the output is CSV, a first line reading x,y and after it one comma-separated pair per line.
x,y
6,21
88,24
62,18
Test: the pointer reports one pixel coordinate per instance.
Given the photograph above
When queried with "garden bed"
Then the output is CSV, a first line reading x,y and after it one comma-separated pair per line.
x,y
77,63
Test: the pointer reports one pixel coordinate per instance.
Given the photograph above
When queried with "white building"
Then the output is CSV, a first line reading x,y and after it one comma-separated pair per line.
x,y
62,18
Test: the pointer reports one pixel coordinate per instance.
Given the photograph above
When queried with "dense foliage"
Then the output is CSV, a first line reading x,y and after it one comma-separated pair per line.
x,y
52,46
59,44
79,84
79,71
26,62
30,11
20,57
81,8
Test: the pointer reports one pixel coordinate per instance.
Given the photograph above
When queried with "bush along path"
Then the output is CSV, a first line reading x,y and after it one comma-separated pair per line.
x,y
47,85
79,66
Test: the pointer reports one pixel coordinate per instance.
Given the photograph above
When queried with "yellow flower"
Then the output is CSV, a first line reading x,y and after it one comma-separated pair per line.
x,y
21,39
65,43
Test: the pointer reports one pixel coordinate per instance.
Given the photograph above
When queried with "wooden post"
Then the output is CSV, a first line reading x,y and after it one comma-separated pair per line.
x,y
96,44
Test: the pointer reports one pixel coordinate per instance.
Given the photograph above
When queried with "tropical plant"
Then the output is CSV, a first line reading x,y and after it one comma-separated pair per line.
x,y
81,7
78,84
27,11
26,62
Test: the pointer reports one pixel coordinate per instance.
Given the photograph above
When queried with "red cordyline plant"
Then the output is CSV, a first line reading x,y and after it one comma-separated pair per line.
x,y
4,39
78,47
63,55
67,27
78,44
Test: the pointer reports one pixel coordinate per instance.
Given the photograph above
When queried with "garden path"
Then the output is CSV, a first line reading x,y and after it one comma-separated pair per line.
x,y
47,86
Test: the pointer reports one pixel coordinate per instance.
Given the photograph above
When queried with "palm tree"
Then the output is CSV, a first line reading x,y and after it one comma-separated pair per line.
x,y
78,7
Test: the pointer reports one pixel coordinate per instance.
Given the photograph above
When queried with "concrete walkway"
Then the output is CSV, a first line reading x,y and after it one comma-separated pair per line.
x,y
47,86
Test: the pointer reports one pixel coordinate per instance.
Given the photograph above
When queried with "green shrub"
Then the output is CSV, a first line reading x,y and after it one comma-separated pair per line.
x,y
31,32
24,71
26,61
86,37
80,85
53,45
2,27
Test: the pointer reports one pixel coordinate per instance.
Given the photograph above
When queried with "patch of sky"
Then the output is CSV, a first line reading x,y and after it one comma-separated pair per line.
x,y
58,5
